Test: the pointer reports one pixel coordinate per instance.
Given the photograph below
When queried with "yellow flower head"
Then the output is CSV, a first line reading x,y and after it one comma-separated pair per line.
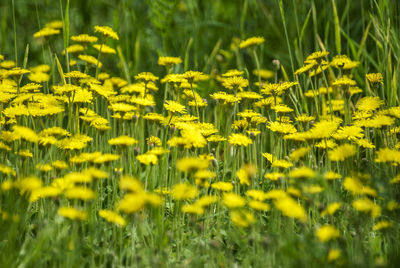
x,y
327,233
106,31
252,41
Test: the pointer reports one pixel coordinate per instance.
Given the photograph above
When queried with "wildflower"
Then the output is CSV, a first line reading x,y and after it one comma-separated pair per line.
x,y
48,191
274,176
344,81
317,55
131,203
284,128
299,153
327,233
82,193
242,218
222,186
112,217
330,175
72,213
342,152
382,225
122,141
174,107
146,77
39,77
169,61
290,208
104,49
239,139
192,209
231,73
369,103
147,159
302,172
387,155
131,184
190,164
232,200
76,75
235,83
264,74
90,60
106,31
246,173
46,32
258,205
153,140
252,41
367,206
73,49
374,78
84,38
183,191
331,209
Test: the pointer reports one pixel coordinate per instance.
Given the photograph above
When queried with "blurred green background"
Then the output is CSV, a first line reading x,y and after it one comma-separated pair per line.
x,y
196,28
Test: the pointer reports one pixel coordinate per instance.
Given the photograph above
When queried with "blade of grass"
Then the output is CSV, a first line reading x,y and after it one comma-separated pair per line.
x,y
337,28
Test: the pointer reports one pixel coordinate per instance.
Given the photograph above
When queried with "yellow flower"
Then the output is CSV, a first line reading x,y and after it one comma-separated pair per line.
x,y
174,107
375,78
232,200
317,55
84,38
73,49
82,193
382,225
183,191
330,175
190,164
72,213
147,159
342,152
331,209
169,61
369,103
146,77
46,32
104,49
122,141
252,41
235,83
48,191
274,176
327,233
131,184
246,173
242,218
265,74
333,255
283,128
192,209
91,60
367,206
233,72
222,186
239,139
299,153
112,217
344,81
106,31
258,205
290,208
302,172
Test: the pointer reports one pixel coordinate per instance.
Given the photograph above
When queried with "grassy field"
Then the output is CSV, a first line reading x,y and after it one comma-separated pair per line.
x,y
184,133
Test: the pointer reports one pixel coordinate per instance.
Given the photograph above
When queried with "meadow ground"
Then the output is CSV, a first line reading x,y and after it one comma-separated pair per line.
x,y
187,133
